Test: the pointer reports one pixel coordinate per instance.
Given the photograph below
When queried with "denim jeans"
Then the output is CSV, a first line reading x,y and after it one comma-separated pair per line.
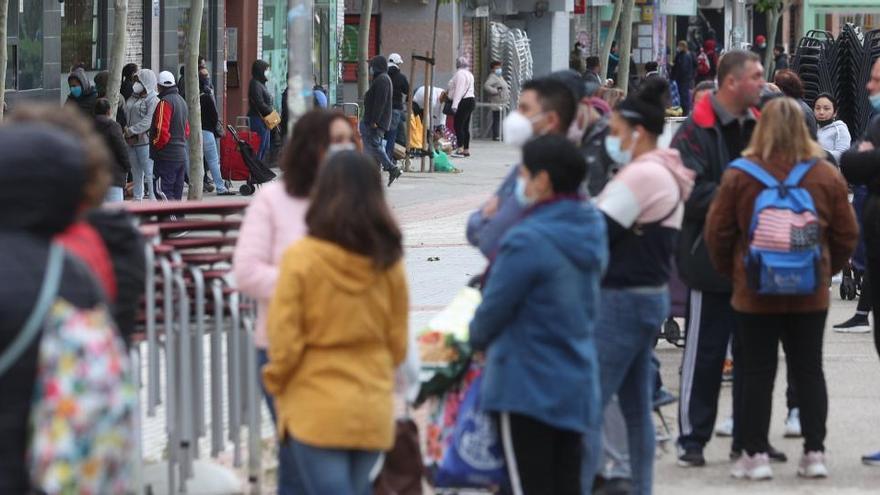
x,y
115,194
324,471
625,332
391,135
263,360
209,148
258,126
141,171
372,139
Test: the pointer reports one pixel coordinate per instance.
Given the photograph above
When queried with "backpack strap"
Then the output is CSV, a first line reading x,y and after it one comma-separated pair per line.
x,y
33,325
798,172
755,171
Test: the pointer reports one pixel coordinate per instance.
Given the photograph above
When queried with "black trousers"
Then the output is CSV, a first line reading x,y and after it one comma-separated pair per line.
x,y
760,336
546,459
496,123
711,324
873,273
463,122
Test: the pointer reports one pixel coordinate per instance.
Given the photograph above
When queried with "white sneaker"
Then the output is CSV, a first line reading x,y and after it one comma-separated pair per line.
x,y
755,468
724,428
812,466
793,424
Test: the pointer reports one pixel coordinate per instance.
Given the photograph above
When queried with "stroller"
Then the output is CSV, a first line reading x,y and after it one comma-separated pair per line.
x,y
244,166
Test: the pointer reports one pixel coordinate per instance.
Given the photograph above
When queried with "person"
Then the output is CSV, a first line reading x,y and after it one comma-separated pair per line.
x,y
139,111
592,75
129,73
437,117
376,120
613,61
714,134
399,92
461,92
112,134
534,344
709,50
600,166
643,206
683,75
783,150
544,107
859,167
101,80
781,58
331,374
82,92
212,131
702,90
760,46
168,140
274,221
791,85
498,94
833,134
260,105
576,59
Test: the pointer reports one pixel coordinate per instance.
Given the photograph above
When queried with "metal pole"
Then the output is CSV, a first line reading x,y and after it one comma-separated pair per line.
x,y
738,31
300,56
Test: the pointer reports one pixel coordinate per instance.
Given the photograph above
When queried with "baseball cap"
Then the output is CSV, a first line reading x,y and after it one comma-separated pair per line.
x,y
395,59
166,79
760,39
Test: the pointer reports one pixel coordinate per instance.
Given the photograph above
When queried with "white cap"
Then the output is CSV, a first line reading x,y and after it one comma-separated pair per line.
x,y
166,79
395,59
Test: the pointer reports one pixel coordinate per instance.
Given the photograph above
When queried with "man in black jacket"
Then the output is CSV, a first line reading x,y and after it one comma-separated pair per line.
x,y
716,133
399,92
683,73
112,134
377,116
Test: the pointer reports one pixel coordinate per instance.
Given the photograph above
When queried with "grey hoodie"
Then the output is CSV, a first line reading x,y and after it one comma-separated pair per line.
x,y
139,109
835,138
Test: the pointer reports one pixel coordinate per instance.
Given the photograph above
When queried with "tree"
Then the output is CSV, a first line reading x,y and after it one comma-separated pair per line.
x,y
117,54
609,39
626,25
4,7
773,9
364,47
191,62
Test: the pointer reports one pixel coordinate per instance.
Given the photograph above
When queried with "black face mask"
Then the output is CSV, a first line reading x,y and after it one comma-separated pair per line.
x,y
823,123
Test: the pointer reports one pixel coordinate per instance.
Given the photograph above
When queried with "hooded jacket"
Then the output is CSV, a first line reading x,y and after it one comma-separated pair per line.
x,y
170,129
337,331
835,138
86,101
644,207
47,169
259,99
400,87
210,117
377,101
112,134
139,109
536,321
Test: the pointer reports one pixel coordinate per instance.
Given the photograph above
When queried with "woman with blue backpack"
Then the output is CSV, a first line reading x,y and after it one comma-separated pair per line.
x,y
779,227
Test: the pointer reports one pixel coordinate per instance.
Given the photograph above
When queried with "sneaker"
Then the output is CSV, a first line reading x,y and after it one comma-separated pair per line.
x,y
857,324
753,467
793,424
776,456
724,428
393,175
813,466
208,187
871,459
691,457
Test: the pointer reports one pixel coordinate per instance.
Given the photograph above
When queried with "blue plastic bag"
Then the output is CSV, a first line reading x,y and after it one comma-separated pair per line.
x,y
475,458
675,94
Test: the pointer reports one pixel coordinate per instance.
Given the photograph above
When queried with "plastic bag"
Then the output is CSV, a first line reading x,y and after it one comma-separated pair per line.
x,y
441,162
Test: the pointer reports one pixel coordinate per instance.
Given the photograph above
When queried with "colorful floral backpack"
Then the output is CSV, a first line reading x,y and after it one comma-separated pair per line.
x,y
84,397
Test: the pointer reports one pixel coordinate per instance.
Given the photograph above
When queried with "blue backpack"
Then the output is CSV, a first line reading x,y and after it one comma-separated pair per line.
x,y
784,250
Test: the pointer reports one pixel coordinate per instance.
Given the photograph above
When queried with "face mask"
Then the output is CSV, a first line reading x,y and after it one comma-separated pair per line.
x,y
613,146
267,74
498,72
339,147
517,129
76,91
138,88
520,193
823,123
875,101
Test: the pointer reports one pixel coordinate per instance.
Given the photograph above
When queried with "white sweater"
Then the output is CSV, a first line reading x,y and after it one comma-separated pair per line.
x,y
834,138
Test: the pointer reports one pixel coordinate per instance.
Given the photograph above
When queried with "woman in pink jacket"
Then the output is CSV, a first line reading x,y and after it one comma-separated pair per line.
x,y
461,91
276,217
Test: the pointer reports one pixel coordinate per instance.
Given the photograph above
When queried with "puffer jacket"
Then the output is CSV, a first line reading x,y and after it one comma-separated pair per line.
x,y
139,110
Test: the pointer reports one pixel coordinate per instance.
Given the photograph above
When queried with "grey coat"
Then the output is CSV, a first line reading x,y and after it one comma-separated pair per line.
x,y
497,90
139,109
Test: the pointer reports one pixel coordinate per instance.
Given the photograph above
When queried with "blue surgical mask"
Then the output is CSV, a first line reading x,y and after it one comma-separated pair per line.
x,y
613,148
498,72
76,91
875,101
520,193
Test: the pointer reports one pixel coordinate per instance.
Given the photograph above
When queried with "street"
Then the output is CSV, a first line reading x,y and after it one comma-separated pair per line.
x,y
433,210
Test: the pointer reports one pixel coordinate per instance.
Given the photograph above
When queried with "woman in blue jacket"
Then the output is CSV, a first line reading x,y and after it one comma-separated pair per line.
x,y
535,324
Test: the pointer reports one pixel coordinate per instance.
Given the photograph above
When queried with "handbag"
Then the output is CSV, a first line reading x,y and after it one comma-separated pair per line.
x,y
272,120
403,468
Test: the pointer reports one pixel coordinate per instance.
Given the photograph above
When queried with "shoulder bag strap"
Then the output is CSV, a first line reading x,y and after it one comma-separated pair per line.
x,y
33,325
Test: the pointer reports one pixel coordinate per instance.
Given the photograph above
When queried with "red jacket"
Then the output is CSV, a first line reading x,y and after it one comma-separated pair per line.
x,y
84,242
170,128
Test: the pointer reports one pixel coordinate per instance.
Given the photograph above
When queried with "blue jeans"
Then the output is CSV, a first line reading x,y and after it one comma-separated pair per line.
x,y
391,135
141,171
263,360
258,126
372,139
114,194
209,148
324,471
625,332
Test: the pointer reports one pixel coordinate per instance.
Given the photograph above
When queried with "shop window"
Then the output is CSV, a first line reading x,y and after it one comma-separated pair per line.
x,y
183,30
30,46
84,34
350,45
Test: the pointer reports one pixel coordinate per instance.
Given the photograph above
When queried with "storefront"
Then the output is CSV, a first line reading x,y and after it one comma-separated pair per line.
x,y
832,15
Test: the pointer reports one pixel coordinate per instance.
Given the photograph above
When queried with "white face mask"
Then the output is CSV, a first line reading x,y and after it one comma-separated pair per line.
x,y
268,74
517,129
138,88
339,147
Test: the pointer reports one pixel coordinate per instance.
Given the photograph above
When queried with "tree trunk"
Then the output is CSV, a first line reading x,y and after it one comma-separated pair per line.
x,y
4,6
364,48
117,54
773,17
625,45
191,62
434,35
609,39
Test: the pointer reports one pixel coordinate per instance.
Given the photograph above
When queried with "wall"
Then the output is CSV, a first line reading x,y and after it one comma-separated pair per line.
x,y
242,14
549,35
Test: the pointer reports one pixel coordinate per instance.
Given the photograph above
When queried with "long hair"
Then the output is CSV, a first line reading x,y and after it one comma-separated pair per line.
x,y
348,208
782,135
304,151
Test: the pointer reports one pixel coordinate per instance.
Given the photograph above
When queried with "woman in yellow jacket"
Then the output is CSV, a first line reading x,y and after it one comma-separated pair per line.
x,y
337,330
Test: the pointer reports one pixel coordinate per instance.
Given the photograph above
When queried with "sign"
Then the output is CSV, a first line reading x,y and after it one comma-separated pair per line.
x,y
482,11
232,44
599,3
580,7
678,7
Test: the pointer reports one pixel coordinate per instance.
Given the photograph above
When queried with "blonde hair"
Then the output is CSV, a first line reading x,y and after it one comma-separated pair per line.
x,y
782,135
